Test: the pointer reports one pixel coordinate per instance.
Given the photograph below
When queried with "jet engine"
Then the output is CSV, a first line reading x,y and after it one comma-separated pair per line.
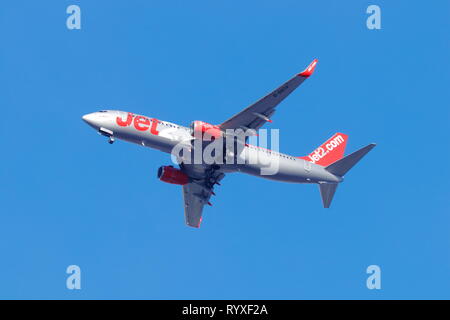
x,y
202,129
172,175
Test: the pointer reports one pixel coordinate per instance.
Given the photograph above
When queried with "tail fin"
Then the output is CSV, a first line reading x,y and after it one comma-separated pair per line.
x,y
327,191
340,167
329,152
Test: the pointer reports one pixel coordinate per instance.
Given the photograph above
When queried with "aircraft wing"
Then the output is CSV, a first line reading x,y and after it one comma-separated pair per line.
x,y
197,193
254,116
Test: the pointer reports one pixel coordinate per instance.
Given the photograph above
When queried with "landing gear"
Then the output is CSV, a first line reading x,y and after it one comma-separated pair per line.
x,y
107,133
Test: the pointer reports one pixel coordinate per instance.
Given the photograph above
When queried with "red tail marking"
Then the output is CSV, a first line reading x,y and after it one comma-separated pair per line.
x,y
329,152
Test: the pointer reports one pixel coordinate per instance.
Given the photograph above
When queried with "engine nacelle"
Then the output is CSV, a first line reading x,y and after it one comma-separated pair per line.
x,y
202,129
172,175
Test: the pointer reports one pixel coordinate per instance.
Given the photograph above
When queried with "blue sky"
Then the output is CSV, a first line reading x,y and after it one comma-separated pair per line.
x,y
70,198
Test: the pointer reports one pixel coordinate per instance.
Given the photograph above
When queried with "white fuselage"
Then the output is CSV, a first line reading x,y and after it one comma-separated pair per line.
x,y
164,136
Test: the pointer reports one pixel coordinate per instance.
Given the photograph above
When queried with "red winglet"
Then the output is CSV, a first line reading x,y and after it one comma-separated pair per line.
x,y
309,71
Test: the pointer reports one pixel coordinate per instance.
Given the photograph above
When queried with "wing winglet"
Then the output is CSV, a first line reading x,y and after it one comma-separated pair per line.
x,y
309,70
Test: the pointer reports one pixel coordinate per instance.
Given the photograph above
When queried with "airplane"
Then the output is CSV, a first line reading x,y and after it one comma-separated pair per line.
x,y
325,166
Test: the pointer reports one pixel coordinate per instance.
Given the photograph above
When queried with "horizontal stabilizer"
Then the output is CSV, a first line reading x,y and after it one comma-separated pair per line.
x,y
340,167
327,191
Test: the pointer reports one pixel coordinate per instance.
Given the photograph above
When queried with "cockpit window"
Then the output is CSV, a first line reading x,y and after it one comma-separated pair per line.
x,y
103,111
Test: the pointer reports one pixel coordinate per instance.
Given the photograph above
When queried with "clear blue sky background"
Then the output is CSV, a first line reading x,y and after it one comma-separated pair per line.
x,y
67,197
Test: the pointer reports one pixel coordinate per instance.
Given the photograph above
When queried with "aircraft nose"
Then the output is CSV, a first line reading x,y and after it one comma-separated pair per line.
x,y
89,119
